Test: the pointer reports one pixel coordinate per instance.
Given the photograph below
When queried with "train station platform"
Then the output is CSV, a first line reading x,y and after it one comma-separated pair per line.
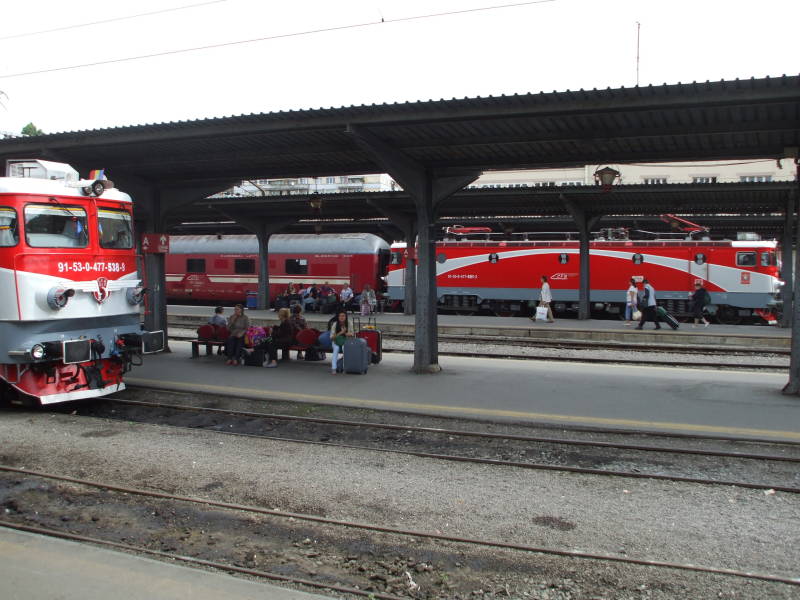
x,y
607,330
37,567
696,401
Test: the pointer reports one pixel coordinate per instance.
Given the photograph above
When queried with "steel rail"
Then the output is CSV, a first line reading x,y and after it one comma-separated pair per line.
x,y
457,432
506,463
408,532
197,561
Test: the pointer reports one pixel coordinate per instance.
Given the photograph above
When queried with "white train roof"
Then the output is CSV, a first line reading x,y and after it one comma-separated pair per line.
x,y
302,243
53,187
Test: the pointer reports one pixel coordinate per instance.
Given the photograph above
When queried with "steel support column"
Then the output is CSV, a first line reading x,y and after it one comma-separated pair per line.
x,y
793,386
787,264
152,206
585,222
427,188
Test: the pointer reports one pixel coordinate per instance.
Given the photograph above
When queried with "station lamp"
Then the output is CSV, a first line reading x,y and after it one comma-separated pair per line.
x,y
606,177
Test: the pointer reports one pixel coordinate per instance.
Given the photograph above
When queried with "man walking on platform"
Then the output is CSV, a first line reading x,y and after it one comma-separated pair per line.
x,y
649,306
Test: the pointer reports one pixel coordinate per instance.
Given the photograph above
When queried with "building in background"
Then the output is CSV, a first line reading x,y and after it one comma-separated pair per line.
x,y
647,173
288,186
762,170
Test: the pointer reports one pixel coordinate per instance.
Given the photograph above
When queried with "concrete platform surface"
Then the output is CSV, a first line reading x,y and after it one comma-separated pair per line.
x,y
765,336
703,401
36,567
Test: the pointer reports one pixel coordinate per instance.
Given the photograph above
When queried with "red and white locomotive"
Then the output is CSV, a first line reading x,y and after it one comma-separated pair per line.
x,y
212,268
69,287
504,276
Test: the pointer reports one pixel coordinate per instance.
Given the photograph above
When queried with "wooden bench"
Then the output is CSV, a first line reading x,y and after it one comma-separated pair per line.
x,y
208,344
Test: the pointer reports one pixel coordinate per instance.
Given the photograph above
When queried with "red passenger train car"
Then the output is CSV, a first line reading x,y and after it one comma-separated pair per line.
x,y
69,287
504,276
210,268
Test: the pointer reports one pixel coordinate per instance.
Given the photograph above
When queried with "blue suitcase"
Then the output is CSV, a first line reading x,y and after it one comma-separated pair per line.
x,y
357,355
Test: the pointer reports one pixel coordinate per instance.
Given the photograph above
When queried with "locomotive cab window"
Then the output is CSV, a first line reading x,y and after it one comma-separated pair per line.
x,y
296,266
115,229
195,265
396,258
9,234
244,266
55,226
745,259
768,259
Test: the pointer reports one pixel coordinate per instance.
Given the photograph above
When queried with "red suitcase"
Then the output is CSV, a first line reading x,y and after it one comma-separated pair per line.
x,y
373,337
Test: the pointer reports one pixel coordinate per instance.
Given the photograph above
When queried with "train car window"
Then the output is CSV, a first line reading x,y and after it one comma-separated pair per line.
x,y
9,234
563,258
637,259
55,226
700,258
768,259
244,266
195,265
745,259
493,258
115,228
296,266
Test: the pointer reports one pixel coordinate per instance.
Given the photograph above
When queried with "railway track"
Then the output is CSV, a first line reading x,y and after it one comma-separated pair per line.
x,y
776,471
411,536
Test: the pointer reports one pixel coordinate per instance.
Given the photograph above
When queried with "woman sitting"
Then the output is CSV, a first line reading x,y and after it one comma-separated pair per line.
x,y
340,331
237,326
282,338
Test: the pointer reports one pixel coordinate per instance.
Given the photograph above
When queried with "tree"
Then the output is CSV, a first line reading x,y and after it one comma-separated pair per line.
x,y
31,129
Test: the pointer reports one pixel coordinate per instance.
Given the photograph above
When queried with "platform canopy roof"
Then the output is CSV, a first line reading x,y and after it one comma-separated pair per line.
x,y
518,209
750,118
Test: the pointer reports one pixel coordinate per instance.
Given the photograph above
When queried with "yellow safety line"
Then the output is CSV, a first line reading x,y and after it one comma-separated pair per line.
x,y
484,412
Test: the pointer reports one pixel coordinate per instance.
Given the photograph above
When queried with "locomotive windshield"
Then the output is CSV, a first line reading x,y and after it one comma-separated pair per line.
x,y
55,226
115,228
9,235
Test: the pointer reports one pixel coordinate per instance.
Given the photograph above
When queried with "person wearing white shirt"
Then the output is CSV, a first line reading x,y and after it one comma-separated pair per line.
x,y
630,302
545,298
346,296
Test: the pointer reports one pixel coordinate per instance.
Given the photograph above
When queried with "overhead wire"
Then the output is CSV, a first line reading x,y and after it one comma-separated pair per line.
x,y
111,20
277,36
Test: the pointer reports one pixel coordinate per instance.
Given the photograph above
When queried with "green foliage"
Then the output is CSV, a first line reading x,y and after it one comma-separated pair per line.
x,y
31,129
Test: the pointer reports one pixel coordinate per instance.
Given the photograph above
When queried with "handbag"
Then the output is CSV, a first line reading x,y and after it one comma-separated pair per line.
x,y
541,313
340,339
637,315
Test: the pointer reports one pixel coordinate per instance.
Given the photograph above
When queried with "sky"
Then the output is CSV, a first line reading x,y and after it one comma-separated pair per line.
x,y
331,53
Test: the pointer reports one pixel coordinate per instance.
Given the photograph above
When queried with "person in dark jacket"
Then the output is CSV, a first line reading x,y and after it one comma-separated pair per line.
x,y
697,301
282,337
648,305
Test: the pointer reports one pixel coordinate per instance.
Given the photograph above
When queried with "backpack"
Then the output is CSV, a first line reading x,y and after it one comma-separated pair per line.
x,y
706,298
314,354
254,336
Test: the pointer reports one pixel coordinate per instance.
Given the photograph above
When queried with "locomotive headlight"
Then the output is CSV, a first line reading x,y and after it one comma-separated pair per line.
x,y
37,352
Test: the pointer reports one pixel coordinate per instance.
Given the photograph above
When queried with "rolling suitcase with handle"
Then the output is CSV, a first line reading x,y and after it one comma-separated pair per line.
x,y
357,355
667,318
373,337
